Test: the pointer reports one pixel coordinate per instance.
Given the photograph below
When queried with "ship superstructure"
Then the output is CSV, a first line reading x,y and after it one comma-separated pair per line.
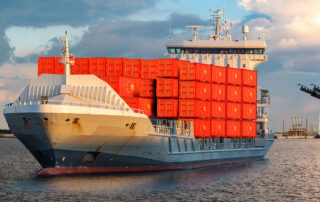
x,y
80,123
219,49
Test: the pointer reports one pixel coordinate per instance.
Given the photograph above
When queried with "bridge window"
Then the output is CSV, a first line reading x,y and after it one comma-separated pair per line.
x,y
216,50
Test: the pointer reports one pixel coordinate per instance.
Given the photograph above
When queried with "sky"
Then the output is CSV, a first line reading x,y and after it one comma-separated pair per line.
x,y
139,29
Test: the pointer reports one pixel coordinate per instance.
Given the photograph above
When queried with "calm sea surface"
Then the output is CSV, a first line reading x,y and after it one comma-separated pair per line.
x,y
291,171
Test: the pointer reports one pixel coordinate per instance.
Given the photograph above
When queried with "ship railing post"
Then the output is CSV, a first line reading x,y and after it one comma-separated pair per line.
x,y
191,131
174,128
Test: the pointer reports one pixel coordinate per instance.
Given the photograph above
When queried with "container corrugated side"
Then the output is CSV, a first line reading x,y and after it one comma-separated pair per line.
x,y
167,108
167,87
218,128
249,129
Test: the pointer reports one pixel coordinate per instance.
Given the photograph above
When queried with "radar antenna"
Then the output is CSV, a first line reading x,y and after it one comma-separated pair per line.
x,y
195,31
66,58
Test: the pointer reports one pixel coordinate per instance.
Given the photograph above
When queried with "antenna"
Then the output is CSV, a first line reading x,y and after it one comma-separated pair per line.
x,y
216,21
66,60
195,31
170,28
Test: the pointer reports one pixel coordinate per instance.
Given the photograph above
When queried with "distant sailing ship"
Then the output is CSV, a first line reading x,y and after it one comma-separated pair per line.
x,y
197,109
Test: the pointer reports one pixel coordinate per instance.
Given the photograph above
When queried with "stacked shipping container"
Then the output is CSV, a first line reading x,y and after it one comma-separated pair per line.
x,y
222,102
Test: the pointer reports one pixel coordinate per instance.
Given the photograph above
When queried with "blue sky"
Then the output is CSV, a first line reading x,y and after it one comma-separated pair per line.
x,y
126,28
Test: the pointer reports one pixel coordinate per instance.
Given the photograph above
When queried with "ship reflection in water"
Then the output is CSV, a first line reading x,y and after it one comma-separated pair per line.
x,y
167,182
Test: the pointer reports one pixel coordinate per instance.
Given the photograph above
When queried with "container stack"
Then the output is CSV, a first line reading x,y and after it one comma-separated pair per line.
x,y
195,96
221,101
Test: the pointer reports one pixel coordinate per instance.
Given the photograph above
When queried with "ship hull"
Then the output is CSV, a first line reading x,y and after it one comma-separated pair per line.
x,y
89,147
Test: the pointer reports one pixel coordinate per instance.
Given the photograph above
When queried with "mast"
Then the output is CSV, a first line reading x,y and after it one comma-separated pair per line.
x,y
65,56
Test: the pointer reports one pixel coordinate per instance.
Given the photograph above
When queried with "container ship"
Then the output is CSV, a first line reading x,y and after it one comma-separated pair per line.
x,y
198,107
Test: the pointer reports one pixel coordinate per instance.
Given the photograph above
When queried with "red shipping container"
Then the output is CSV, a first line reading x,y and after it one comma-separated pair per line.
x,y
218,128
147,88
187,70
125,87
97,66
195,71
167,108
113,81
219,74
80,66
249,77
59,68
202,128
233,129
249,94
233,110
234,76
194,90
249,111
249,129
131,67
145,104
194,108
167,87
46,65
203,72
114,66
234,93
218,109
168,68
218,92
149,69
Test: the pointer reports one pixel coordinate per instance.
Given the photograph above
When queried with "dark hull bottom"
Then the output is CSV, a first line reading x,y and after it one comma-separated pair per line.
x,y
51,171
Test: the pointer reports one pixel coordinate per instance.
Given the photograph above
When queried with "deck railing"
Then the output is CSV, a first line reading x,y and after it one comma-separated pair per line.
x,y
59,102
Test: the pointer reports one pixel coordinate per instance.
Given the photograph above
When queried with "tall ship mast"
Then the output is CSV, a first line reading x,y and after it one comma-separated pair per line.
x,y
197,108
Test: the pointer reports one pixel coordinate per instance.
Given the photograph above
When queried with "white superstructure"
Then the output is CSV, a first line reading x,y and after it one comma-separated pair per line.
x,y
219,50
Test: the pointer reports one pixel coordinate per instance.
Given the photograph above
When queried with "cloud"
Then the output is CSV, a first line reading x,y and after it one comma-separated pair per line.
x,y
311,106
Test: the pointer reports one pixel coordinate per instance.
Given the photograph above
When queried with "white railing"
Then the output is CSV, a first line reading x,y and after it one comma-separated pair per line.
x,y
59,102
170,131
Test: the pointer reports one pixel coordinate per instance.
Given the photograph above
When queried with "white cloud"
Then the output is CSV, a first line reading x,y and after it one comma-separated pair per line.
x,y
24,71
311,106
294,24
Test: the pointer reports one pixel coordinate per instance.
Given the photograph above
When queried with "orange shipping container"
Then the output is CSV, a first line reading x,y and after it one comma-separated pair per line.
x,y
202,128
233,110
218,109
148,69
218,128
114,66
218,92
234,76
97,66
219,74
59,68
195,72
124,86
147,88
168,68
233,129
249,77
81,66
249,129
234,93
167,108
145,104
46,65
249,94
194,108
249,111
131,67
194,90
167,87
